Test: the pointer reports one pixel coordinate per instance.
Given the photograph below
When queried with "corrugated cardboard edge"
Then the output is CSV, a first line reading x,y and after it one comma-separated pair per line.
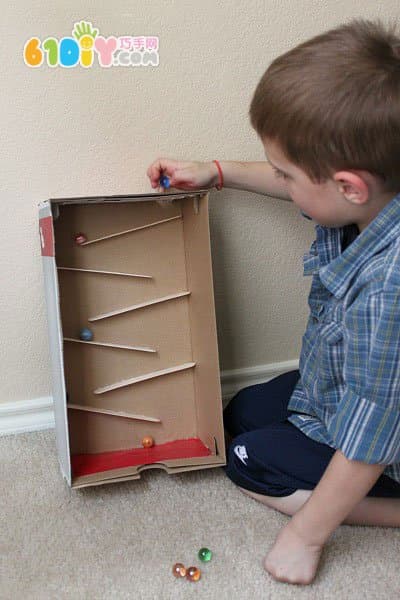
x,y
56,352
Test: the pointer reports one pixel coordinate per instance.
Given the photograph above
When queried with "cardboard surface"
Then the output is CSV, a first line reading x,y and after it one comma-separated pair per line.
x,y
86,464
154,348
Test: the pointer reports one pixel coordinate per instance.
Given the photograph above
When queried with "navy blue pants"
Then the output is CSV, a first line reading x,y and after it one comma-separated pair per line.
x,y
271,456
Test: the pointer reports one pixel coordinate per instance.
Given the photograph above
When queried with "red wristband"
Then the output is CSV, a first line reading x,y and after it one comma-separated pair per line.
x,y
220,183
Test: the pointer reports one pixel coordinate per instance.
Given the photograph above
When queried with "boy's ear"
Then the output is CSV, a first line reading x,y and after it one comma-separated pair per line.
x,y
353,187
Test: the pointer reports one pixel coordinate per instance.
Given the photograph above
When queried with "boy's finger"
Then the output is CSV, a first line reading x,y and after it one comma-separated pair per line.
x,y
154,172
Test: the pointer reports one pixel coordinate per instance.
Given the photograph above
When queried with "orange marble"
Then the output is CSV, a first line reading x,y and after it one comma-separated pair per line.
x,y
179,570
147,441
193,574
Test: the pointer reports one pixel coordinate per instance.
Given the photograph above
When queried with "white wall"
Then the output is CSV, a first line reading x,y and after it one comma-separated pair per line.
x,y
95,131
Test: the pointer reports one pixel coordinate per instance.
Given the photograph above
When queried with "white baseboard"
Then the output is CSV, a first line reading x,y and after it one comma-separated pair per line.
x,y
38,414
26,415
236,379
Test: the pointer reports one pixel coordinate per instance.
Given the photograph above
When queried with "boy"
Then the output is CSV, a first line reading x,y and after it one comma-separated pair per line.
x,y
322,444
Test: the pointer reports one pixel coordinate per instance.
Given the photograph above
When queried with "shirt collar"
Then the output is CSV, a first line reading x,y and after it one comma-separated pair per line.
x,y
337,270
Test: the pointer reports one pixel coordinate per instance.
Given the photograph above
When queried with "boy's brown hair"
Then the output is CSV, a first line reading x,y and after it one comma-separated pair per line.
x,y
333,102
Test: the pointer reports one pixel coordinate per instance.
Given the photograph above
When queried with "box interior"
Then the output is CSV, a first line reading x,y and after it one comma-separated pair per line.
x,y
142,283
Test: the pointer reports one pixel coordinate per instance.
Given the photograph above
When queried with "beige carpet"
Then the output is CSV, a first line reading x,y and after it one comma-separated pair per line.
x,y
121,540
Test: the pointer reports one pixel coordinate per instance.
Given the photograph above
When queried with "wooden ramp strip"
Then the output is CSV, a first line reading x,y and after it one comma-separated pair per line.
x,y
104,272
113,413
152,375
112,235
120,311
138,348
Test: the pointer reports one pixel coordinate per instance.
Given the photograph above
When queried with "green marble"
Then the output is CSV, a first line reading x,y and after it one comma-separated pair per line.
x,y
205,554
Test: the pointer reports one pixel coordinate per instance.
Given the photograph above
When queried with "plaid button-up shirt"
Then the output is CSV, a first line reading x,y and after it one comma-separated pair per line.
x,y
348,395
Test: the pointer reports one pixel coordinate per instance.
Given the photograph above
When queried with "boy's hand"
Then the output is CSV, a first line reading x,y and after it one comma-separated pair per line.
x,y
292,559
183,175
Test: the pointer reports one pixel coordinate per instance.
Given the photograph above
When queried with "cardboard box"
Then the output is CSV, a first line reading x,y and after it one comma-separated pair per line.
x,y
140,279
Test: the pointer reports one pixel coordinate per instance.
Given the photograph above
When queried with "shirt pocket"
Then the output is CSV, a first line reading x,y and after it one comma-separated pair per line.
x,y
310,336
331,356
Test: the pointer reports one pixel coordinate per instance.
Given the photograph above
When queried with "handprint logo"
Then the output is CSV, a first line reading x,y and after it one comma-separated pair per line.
x,y
85,34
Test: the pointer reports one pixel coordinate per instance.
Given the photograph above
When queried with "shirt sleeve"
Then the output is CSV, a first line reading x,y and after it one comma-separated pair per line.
x,y
366,425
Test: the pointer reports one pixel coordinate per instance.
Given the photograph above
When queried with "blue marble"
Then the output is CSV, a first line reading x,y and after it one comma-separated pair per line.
x,y
85,334
164,181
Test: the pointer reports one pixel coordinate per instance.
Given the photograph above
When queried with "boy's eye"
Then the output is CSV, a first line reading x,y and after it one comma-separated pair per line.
x,y
279,173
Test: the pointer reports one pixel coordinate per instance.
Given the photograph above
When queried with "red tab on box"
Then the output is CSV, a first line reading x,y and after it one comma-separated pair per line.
x,y
46,236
